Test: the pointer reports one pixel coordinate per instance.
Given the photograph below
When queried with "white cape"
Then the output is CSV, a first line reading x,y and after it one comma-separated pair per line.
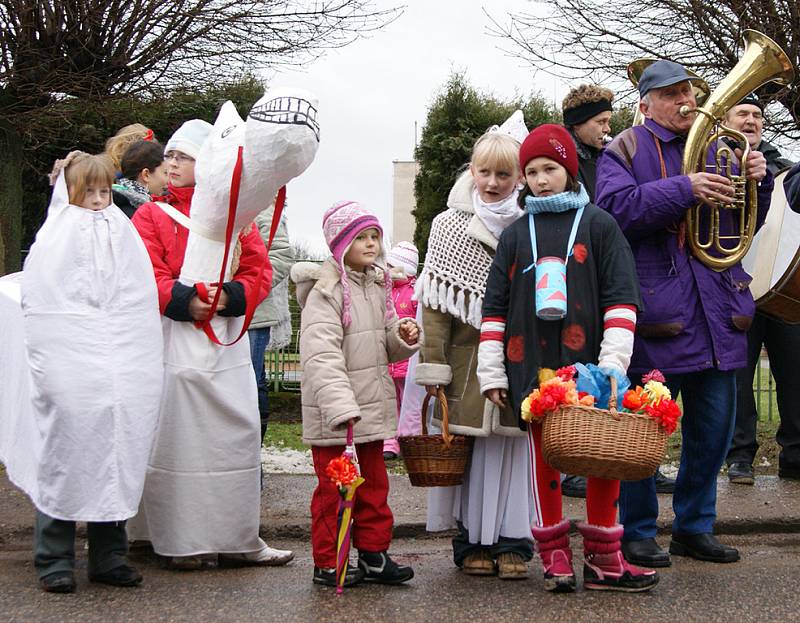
x,y
79,397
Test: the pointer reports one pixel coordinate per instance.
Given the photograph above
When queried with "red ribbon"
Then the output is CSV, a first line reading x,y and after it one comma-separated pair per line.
x,y
202,291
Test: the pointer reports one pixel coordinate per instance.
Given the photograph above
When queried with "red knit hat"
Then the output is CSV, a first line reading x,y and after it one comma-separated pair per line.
x,y
551,141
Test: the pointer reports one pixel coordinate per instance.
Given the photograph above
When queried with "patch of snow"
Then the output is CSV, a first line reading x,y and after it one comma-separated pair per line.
x,y
286,461
670,470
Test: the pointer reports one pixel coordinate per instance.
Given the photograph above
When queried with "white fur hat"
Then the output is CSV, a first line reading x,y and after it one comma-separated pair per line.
x,y
405,256
189,138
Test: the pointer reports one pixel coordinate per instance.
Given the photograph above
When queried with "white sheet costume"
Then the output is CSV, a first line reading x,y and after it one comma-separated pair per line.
x,y
81,365
202,493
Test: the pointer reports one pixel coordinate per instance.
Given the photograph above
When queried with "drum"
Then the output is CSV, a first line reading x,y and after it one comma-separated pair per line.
x,y
773,260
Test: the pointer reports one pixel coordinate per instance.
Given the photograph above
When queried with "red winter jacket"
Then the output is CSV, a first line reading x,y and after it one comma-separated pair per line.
x,y
165,241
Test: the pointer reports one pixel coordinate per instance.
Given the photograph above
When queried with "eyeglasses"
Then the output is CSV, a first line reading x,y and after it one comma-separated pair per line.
x,y
179,158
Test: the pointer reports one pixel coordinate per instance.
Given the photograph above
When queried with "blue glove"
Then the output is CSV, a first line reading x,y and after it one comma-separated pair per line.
x,y
594,380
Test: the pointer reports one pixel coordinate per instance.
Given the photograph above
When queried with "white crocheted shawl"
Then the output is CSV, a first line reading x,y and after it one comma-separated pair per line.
x,y
453,279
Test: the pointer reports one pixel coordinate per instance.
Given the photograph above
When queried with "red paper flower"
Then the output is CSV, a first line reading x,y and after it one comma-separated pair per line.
x,y
667,413
566,373
632,400
341,471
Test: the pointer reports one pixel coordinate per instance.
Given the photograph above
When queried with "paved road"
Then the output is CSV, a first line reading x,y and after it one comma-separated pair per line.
x,y
763,587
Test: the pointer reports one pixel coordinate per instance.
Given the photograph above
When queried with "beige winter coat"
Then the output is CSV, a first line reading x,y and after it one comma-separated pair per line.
x,y
345,370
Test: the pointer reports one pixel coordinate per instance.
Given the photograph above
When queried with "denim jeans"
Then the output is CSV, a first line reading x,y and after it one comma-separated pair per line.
x,y
709,410
259,338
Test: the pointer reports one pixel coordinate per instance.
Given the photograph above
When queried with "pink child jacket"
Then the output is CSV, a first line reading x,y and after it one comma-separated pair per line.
x,y
402,290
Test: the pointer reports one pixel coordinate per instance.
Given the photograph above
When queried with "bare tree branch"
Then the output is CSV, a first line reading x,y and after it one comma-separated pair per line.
x,y
596,39
93,48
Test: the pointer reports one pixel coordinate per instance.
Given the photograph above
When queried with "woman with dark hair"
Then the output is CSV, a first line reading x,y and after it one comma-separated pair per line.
x,y
143,176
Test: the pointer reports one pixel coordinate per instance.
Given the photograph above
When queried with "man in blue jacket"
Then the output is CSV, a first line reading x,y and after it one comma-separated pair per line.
x,y
694,323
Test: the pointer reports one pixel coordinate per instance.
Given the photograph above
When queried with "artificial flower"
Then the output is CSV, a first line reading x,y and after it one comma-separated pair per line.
x,y
654,375
656,391
634,399
667,412
342,472
566,373
545,374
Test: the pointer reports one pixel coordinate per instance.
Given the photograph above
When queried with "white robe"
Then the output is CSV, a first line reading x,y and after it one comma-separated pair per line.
x,y
81,394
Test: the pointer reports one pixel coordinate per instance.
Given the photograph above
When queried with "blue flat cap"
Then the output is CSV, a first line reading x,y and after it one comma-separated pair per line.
x,y
662,74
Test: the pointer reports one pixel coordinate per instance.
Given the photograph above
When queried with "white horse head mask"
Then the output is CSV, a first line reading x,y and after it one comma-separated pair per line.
x,y
279,141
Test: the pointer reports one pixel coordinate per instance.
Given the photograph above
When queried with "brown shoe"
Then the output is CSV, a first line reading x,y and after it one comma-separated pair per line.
x,y
511,566
478,563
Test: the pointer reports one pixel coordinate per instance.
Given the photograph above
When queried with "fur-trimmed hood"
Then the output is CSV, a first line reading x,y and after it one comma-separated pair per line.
x,y
325,277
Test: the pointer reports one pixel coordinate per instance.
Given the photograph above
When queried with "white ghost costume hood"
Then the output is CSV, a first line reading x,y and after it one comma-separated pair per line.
x,y
79,396
202,493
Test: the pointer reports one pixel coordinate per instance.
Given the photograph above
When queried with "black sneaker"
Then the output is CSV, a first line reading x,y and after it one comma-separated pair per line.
x,y
664,484
741,473
327,577
573,486
379,568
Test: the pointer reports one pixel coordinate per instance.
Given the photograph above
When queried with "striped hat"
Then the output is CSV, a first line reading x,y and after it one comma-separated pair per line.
x,y
341,224
405,256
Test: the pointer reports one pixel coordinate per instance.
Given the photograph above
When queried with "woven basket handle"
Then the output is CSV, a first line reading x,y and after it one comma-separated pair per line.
x,y
446,436
612,398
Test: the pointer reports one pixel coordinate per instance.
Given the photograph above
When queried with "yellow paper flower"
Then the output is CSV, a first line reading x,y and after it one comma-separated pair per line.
x,y
545,374
656,391
525,409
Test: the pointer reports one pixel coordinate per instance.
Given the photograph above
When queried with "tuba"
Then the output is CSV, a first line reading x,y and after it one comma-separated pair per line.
x,y
762,61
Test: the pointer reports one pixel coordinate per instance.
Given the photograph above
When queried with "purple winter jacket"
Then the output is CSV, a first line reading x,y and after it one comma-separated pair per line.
x,y
694,318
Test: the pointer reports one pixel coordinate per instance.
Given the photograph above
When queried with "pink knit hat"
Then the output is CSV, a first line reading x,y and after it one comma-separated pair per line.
x,y
341,224
405,256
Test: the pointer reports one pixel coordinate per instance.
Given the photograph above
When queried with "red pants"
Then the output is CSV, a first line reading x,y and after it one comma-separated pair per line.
x,y
372,517
602,496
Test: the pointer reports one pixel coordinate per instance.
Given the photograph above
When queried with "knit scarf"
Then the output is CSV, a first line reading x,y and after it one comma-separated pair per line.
x,y
133,191
499,215
557,203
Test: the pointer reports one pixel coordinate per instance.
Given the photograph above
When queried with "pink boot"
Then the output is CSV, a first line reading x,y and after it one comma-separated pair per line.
x,y
605,568
552,543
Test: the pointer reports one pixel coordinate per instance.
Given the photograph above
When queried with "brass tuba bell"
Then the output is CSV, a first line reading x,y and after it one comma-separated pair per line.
x,y
762,61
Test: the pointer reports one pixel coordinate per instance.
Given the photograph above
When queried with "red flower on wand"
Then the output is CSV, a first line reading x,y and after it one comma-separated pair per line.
x,y
342,472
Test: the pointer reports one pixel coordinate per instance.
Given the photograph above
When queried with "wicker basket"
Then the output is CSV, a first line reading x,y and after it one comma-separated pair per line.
x,y
435,460
600,443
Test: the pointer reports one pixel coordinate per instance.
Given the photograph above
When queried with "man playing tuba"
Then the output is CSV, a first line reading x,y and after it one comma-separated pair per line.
x,y
693,326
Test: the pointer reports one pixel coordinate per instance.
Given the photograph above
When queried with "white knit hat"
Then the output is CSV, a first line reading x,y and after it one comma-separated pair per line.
x,y
405,256
189,138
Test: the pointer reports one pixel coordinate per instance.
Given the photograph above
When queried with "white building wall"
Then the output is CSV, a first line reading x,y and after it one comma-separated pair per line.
x,y
403,200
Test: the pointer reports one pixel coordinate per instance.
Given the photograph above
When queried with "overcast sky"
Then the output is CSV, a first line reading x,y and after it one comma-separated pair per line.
x,y
373,91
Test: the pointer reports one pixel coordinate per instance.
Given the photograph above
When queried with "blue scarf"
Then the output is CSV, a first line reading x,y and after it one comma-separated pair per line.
x,y
557,203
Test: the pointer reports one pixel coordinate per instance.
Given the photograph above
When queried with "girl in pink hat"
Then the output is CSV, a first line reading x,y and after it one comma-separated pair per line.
x,y
349,333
